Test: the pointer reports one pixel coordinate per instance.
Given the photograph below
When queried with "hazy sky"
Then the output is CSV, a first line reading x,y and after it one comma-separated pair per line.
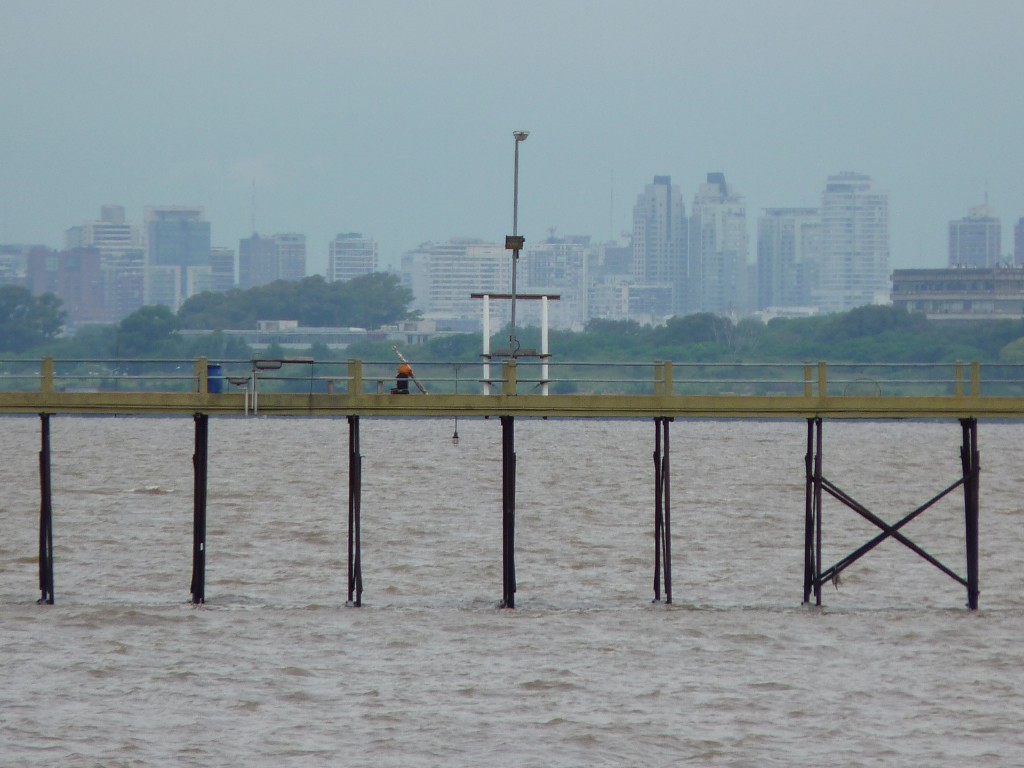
x,y
395,118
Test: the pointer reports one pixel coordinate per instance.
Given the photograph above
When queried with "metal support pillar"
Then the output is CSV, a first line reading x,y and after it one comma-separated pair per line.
x,y
45,516
508,512
662,511
200,461
355,490
812,513
969,457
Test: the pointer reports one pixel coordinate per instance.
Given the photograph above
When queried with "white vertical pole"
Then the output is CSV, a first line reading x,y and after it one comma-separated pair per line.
x,y
544,345
487,344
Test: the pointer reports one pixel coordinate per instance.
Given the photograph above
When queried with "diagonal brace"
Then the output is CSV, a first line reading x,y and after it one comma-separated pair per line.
x,y
888,530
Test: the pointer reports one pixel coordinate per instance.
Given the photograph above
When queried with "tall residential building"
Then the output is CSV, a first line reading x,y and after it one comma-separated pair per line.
x,y
854,244
442,276
177,252
122,260
788,250
718,250
291,256
75,276
257,261
262,260
350,255
14,263
222,269
974,241
559,266
110,234
660,243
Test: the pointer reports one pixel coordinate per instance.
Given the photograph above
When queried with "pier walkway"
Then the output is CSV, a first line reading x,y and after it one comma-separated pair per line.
x,y
536,388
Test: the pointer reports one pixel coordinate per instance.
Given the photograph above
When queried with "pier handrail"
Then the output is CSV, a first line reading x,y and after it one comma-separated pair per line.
x,y
297,386
663,378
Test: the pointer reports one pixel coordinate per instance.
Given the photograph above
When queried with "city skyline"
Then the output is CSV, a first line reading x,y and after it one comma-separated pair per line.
x,y
396,122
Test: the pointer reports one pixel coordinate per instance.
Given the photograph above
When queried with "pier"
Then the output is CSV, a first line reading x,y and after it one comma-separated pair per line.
x,y
661,392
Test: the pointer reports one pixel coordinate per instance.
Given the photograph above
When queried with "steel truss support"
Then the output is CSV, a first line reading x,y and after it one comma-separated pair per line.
x,y
508,512
45,516
355,492
815,576
662,511
200,462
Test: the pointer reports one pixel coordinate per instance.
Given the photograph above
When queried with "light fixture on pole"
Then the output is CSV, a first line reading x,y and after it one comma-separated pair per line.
x,y
514,242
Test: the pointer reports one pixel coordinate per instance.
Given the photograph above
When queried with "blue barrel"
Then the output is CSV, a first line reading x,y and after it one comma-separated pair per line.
x,y
214,379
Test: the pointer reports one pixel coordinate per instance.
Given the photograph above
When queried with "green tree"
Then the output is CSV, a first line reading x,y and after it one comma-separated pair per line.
x,y
27,321
368,301
148,332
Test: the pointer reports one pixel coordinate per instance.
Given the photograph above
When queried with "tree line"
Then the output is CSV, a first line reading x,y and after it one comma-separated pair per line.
x,y
31,327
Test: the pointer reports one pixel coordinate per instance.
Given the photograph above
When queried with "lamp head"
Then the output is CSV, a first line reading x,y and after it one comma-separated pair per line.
x,y
520,135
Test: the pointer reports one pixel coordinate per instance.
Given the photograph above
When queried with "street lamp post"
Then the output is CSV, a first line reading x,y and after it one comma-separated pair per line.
x,y
514,242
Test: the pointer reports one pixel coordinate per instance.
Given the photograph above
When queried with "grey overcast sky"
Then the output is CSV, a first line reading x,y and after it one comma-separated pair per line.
x,y
395,118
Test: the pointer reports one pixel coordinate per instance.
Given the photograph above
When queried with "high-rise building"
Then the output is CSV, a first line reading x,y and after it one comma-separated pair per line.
x,y
559,266
257,261
110,234
442,276
222,269
122,259
974,241
14,263
75,276
262,260
660,243
854,268
177,245
291,256
788,250
350,255
718,250
124,282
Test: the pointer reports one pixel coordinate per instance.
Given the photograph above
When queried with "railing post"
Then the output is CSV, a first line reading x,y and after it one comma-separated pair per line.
x,y
668,379
355,377
659,378
511,382
199,369
46,376
958,378
822,379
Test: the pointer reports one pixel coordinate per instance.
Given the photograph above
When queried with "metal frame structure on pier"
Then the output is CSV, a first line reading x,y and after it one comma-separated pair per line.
x,y
966,405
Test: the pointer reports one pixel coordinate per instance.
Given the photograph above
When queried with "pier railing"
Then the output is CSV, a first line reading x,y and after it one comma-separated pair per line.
x,y
303,374
296,385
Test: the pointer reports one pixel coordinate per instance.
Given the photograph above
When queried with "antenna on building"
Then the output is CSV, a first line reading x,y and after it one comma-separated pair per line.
x,y
252,207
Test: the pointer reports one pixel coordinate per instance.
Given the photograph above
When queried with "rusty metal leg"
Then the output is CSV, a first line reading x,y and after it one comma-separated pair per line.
x,y
809,513
508,511
199,470
817,510
969,457
355,489
659,519
667,501
45,516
